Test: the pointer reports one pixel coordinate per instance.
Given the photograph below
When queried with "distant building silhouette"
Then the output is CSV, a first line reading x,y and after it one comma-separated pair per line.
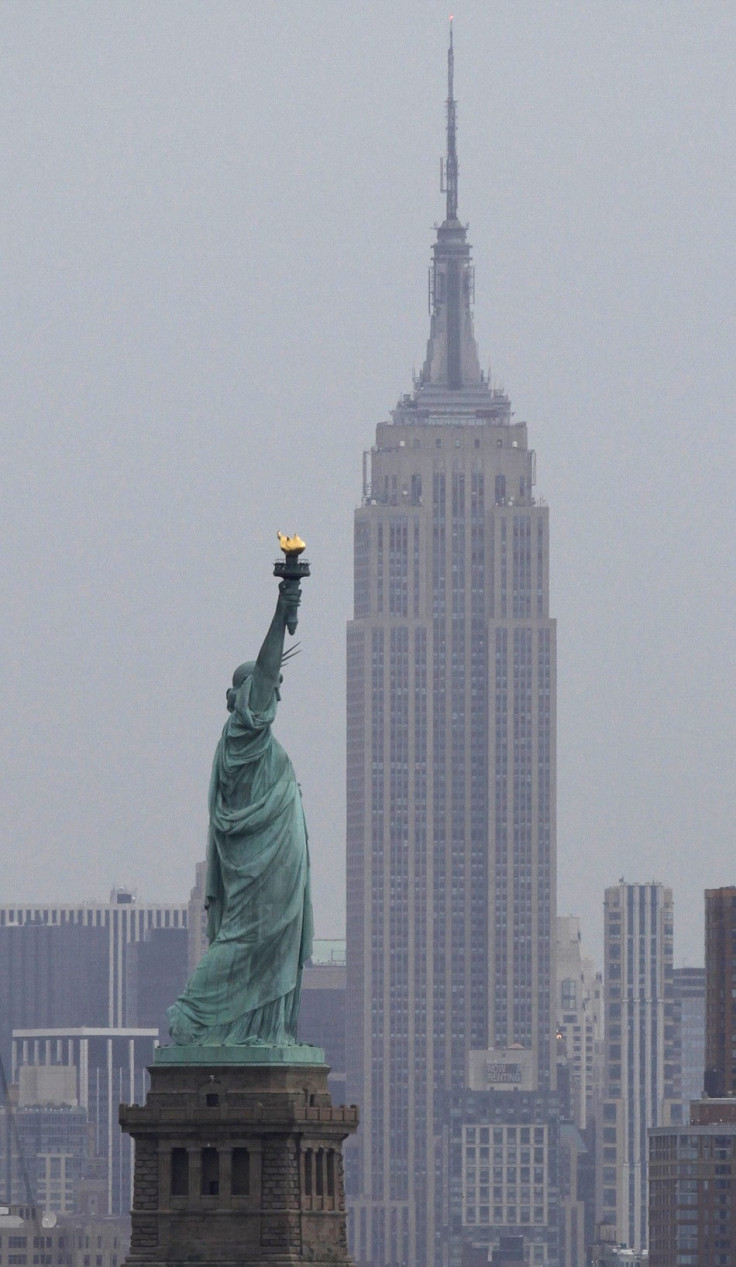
x,y
76,1241
579,1016
692,1168
66,965
639,1063
688,997
156,973
692,1195
82,986
322,1013
451,788
720,1004
103,1068
197,941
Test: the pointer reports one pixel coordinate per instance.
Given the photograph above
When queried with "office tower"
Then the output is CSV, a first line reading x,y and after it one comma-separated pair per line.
x,y
102,1068
580,1050
156,973
688,997
197,918
44,1141
322,1012
579,1015
692,1196
65,965
692,1168
720,1005
450,770
638,930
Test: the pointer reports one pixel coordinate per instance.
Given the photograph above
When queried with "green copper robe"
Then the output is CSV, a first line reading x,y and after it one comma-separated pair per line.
x,y
246,988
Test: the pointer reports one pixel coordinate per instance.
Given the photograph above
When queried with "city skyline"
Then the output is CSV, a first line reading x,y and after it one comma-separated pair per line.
x,y
168,290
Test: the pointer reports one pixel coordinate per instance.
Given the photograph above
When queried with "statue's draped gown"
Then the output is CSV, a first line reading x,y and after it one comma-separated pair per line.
x,y
247,985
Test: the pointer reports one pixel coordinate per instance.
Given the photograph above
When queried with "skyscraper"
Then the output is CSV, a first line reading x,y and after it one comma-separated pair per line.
x,y
579,1016
69,965
450,775
688,988
640,1064
720,1005
104,1068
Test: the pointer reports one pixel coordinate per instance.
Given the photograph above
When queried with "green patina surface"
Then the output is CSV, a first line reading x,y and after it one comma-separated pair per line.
x,y
244,994
296,1054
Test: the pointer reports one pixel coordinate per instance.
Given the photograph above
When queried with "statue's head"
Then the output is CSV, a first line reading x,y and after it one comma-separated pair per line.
x,y
241,673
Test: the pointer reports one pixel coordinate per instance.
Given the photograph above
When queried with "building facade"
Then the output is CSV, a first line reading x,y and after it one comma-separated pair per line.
x,y
640,1059
197,941
30,1237
503,1167
45,1141
692,1196
688,987
66,966
720,1004
322,1011
105,1067
451,783
579,1017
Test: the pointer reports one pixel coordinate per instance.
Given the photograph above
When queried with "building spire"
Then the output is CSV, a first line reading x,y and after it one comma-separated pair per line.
x,y
451,159
451,363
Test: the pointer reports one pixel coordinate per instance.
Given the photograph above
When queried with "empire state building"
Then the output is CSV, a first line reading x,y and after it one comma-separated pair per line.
x,y
451,784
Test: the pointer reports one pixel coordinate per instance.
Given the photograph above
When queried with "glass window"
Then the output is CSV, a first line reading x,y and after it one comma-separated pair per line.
x,y
240,1172
179,1172
210,1172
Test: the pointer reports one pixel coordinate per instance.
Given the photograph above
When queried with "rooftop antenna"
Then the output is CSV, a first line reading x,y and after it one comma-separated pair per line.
x,y
451,160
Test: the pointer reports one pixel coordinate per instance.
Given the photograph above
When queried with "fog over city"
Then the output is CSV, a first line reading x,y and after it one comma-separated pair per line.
x,y
216,224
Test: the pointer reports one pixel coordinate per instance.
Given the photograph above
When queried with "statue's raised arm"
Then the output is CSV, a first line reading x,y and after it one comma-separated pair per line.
x,y
267,671
246,987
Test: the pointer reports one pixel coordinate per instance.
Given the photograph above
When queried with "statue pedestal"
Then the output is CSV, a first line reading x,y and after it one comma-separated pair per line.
x,y
238,1159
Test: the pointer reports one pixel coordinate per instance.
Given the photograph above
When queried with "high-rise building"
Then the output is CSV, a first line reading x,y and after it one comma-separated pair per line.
x,y
580,1055
720,1005
156,973
688,992
322,1011
67,965
579,1016
45,1141
450,780
102,1068
197,941
639,1063
692,1196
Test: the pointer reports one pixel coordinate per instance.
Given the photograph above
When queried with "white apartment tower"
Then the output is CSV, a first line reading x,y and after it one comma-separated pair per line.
x,y
638,931
579,1016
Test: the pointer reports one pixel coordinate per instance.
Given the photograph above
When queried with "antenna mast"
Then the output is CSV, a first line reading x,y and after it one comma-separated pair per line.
x,y
451,160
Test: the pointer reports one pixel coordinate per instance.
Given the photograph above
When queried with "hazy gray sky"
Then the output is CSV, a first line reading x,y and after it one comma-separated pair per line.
x,y
216,221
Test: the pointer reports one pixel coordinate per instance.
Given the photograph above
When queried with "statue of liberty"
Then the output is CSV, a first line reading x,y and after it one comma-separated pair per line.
x,y
246,988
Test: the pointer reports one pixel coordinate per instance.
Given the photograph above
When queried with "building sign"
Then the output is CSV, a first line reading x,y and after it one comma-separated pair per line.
x,y
503,1073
